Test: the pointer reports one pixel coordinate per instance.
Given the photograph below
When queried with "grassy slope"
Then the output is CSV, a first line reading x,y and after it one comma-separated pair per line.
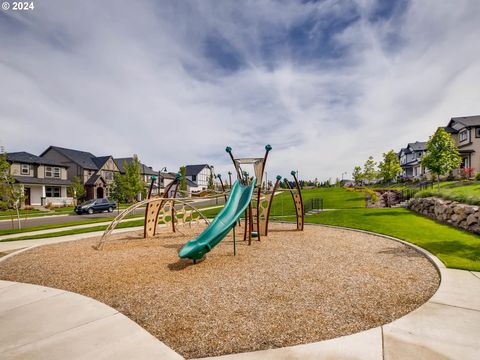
x,y
333,198
465,192
456,248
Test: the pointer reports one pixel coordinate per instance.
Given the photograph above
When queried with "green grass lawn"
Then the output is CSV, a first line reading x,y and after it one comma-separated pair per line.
x,y
333,198
454,247
462,191
61,225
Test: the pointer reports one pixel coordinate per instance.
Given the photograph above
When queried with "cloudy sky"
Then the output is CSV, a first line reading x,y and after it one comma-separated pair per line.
x,y
326,83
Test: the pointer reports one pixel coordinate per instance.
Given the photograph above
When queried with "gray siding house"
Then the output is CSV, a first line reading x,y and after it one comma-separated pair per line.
x,y
410,160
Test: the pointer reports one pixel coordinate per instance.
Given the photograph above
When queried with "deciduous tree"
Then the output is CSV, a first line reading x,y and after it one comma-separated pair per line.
x,y
77,189
442,154
357,175
11,194
390,167
369,172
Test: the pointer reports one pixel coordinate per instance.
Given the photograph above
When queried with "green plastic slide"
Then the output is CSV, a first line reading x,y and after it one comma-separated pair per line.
x,y
237,202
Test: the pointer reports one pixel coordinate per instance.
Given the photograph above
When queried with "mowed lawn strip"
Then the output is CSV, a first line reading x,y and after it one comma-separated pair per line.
x,y
60,225
454,247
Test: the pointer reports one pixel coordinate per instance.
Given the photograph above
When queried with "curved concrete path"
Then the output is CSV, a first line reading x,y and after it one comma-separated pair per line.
x,y
39,322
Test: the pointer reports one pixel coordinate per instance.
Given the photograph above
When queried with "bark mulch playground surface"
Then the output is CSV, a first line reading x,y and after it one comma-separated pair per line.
x,y
290,288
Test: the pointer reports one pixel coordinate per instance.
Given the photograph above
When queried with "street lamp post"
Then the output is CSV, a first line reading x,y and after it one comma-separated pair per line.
x,y
160,179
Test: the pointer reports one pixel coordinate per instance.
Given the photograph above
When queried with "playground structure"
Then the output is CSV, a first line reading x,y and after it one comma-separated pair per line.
x,y
246,197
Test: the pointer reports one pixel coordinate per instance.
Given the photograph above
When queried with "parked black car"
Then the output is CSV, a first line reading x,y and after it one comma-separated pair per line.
x,y
95,205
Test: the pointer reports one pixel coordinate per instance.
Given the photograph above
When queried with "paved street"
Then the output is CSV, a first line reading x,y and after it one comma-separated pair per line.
x,y
44,220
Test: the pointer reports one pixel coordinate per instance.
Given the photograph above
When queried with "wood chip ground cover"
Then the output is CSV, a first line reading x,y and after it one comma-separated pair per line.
x,y
290,288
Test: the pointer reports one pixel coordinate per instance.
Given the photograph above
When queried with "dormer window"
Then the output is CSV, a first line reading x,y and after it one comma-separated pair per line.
x,y
463,135
25,169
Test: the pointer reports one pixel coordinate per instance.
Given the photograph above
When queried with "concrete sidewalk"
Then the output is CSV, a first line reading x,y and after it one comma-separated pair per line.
x,y
38,322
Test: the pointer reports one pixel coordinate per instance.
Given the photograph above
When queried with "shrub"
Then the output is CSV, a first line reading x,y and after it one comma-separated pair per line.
x,y
466,173
477,177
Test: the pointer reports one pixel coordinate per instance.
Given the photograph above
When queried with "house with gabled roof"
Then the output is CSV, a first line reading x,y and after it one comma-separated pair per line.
x,y
43,181
199,176
410,159
465,130
95,172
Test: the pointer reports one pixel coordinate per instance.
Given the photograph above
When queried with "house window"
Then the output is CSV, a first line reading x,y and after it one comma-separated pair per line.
x,y
25,169
52,191
108,175
477,132
51,171
194,177
463,135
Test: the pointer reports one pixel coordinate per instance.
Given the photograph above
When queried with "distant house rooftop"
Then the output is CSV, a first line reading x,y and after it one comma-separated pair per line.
x,y
146,170
418,146
27,158
195,169
457,123
83,158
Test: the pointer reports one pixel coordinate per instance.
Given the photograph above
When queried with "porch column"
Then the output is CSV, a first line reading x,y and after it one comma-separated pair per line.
x,y
43,191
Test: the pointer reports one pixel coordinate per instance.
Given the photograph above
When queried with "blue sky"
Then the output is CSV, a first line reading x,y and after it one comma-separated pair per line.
x,y
326,83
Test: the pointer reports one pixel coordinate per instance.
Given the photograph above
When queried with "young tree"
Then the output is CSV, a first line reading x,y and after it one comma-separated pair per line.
x,y
390,167
11,193
442,154
211,185
77,189
183,180
369,172
133,184
117,190
357,175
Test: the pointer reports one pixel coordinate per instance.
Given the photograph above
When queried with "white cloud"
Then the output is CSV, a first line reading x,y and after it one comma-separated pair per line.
x,y
122,78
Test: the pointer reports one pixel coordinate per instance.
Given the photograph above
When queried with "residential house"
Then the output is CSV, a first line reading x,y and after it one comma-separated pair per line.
x,y
167,178
466,133
44,181
199,176
410,160
95,172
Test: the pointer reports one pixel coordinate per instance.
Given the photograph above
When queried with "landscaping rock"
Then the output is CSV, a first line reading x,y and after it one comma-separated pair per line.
x,y
472,219
450,212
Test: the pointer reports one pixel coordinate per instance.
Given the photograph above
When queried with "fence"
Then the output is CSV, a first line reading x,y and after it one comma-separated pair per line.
x,y
284,206
410,192
313,204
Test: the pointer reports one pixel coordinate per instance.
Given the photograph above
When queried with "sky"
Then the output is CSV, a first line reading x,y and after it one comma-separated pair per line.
x,y
326,83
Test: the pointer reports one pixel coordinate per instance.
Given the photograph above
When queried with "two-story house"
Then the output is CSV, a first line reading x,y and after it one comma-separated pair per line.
x,y
466,133
44,181
199,175
410,160
95,172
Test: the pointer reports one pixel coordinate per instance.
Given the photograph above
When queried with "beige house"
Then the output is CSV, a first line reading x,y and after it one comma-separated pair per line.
x,y
44,181
466,132
95,172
